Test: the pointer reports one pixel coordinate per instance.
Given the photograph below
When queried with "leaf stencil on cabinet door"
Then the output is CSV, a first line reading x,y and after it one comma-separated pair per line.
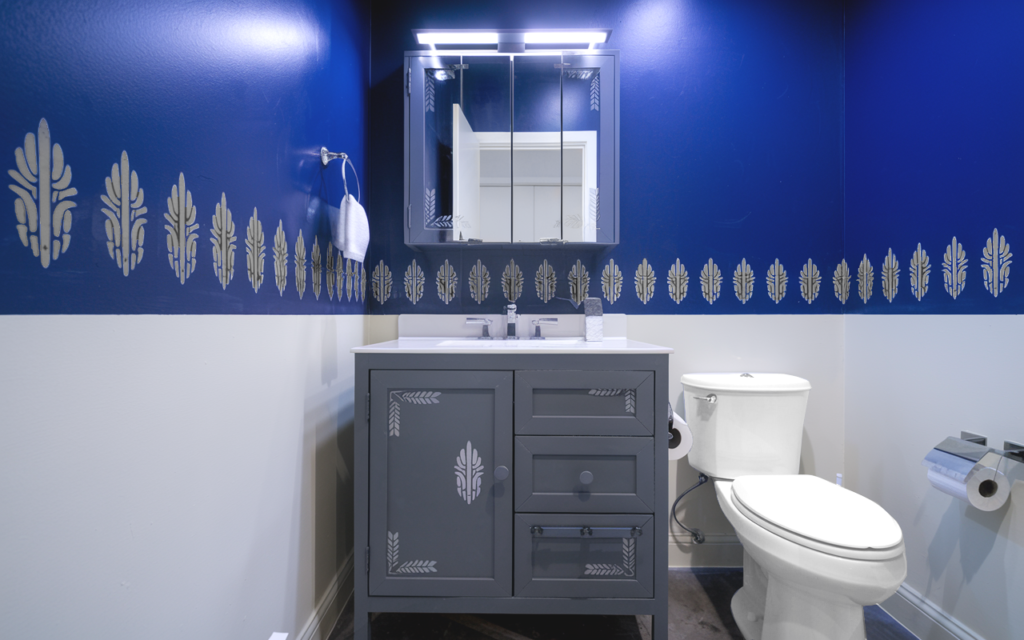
x,y
395,398
428,91
841,282
300,265
512,281
777,280
627,568
579,283
678,281
42,180
743,281
411,566
890,276
447,282
469,473
255,251
124,211
995,263
865,279
954,268
181,230
644,281
920,268
611,282
223,241
595,93
330,272
280,258
316,267
711,281
810,281
479,282
381,283
414,281
545,282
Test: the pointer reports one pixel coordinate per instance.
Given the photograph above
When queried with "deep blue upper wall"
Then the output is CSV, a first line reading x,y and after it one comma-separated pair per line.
x,y
935,146
238,95
731,148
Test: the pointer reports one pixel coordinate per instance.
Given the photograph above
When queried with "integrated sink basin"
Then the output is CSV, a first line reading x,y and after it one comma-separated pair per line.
x,y
500,343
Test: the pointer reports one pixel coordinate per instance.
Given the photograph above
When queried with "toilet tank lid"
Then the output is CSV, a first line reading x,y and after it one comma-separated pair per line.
x,y
818,510
752,382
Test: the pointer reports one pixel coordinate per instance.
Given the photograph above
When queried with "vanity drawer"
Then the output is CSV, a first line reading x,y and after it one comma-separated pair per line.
x,y
605,403
552,474
584,556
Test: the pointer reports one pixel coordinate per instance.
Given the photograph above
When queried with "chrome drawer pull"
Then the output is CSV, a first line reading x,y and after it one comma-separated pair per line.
x,y
589,532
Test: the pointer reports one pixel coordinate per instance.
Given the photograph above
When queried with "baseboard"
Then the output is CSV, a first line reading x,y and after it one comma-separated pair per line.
x,y
717,550
923,618
327,611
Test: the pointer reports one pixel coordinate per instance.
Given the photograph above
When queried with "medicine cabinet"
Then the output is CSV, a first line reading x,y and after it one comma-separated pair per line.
x,y
511,149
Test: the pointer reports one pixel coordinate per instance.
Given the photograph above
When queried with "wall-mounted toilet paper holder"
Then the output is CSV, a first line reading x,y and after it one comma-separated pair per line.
x,y
967,469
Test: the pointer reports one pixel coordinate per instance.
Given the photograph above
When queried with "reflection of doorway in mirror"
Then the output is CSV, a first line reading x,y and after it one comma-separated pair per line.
x,y
551,197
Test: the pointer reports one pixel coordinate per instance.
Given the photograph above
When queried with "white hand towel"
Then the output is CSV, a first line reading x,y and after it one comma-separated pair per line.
x,y
354,229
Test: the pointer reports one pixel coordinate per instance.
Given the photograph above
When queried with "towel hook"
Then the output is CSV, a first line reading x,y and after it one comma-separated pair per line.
x,y
326,156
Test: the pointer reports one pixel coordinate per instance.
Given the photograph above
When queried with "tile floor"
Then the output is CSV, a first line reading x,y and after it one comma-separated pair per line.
x,y
698,610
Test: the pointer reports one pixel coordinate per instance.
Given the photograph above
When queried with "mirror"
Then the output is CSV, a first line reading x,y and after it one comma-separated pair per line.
x,y
511,149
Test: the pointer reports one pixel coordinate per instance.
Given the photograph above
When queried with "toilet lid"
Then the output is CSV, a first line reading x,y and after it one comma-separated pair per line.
x,y
818,511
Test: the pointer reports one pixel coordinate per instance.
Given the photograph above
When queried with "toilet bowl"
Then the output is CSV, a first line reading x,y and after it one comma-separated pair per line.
x,y
814,553
797,586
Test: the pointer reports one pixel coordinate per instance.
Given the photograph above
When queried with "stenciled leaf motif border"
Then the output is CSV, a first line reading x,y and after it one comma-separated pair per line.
x,y
469,473
627,568
409,566
395,398
630,396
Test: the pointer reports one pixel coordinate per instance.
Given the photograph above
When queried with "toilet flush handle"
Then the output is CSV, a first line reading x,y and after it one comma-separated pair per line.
x,y
710,398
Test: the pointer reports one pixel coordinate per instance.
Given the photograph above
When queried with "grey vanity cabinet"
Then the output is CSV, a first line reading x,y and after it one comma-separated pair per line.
x,y
511,483
442,517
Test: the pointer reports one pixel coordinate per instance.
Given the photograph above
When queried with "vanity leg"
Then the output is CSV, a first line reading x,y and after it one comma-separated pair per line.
x,y
361,624
659,627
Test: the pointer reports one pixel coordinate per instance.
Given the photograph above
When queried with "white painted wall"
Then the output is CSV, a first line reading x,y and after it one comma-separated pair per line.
x,y
912,381
173,476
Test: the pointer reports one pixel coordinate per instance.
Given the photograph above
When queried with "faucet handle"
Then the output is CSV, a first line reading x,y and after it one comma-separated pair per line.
x,y
536,326
486,322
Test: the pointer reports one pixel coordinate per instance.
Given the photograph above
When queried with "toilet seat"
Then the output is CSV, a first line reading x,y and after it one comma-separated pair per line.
x,y
819,515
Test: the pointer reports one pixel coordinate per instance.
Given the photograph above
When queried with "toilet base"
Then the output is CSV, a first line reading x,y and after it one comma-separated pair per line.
x,y
744,613
793,613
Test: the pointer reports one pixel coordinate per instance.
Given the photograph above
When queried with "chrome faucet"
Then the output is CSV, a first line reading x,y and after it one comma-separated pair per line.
x,y
510,332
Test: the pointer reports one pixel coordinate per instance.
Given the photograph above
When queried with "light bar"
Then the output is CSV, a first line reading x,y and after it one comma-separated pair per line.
x,y
565,37
457,37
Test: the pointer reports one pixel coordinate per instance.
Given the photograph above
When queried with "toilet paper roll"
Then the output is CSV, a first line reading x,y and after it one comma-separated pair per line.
x,y
682,439
986,488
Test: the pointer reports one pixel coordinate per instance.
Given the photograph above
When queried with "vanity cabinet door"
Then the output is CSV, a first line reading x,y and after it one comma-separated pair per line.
x,y
585,403
440,515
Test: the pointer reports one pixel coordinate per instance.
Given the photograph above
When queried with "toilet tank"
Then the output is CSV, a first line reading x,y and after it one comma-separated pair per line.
x,y
746,423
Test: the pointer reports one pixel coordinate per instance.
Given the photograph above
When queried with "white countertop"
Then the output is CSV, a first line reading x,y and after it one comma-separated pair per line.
x,y
552,346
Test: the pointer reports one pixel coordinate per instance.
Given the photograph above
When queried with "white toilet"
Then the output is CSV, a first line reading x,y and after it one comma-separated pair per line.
x,y
814,554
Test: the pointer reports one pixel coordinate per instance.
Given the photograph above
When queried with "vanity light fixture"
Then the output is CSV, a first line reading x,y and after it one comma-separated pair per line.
x,y
511,40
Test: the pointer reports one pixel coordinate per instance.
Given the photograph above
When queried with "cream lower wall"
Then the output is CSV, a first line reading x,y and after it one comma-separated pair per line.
x,y
911,382
165,477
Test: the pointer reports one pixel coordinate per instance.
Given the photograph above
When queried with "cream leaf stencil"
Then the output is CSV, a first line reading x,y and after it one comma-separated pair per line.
x,y
865,279
890,276
954,268
995,263
223,240
579,283
280,258
124,210
678,281
469,473
919,271
611,282
447,282
512,281
545,282
339,276
255,251
810,281
411,566
300,265
743,281
42,180
414,281
841,281
711,281
181,230
479,282
350,278
330,272
381,283
644,280
777,280
316,267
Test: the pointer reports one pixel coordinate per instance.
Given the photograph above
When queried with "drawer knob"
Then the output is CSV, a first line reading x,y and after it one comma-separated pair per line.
x,y
500,473
586,477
